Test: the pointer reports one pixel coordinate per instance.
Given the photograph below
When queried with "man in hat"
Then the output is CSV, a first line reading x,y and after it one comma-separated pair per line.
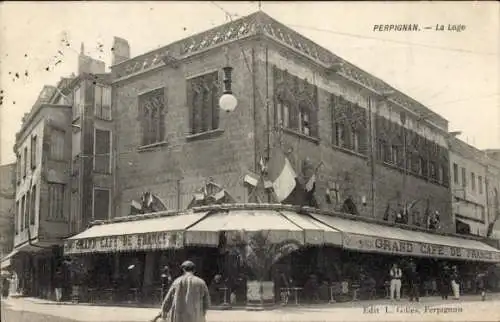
x,y
187,299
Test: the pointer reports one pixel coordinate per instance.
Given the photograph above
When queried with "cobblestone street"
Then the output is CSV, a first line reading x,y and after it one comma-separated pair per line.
x,y
469,308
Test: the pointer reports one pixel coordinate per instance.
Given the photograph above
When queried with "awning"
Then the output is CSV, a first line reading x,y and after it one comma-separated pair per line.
x,y
5,262
476,228
134,235
279,226
370,237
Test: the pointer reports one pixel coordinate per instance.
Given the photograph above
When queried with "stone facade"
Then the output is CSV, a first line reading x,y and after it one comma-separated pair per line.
x,y
178,164
469,183
7,195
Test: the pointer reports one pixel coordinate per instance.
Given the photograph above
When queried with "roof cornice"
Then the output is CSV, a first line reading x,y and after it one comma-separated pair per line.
x,y
261,23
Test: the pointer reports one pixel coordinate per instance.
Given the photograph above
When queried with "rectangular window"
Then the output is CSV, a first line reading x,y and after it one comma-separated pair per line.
x,y
18,168
76,143
152,111
473,181
455,173
203,101
57,144
464,177
27,210
394,154
33,206
432,170
21,214
441,173
340,135
283,113
102,151
102,198
78,102
56,201
102,102
355,140
305,121
33,151
16,218
25,161
480,184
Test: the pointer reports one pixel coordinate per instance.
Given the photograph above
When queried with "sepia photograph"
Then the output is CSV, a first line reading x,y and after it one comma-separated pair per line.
x,y
244,161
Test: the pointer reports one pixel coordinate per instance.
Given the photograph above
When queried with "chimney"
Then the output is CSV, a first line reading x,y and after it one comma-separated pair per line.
x,y
120,51
89,65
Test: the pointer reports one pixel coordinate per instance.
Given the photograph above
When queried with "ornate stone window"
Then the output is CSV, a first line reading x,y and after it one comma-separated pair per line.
x,y
348,124
295,103
203,100
152,111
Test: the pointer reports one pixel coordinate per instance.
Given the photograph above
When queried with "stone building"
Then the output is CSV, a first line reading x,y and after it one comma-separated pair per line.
x,y
7,194
372,150
63,172
469,183
170,136
42,148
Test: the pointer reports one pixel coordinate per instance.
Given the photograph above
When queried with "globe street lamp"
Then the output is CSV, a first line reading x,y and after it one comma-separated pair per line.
x,y
227,102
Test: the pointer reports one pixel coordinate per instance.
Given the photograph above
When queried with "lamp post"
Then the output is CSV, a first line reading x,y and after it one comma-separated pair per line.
x,y
227,102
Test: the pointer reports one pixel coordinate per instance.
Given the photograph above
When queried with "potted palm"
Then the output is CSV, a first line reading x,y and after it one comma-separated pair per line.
x,y
259,254
78,273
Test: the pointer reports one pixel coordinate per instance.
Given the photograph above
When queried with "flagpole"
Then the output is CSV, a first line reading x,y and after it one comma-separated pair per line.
x,y
372,157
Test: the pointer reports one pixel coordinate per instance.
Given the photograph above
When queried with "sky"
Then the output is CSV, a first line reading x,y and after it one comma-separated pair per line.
x,y
456,74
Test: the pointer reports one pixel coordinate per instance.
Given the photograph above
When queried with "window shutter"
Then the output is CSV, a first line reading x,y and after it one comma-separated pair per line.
x,y
189,101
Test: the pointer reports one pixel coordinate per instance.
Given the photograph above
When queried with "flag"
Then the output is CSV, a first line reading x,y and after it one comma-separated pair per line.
x,y
251,180
281,174
387,212
311,183
219,195
262,164
135,208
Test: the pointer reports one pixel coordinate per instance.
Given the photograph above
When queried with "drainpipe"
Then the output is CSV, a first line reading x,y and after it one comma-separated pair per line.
x,y
372,157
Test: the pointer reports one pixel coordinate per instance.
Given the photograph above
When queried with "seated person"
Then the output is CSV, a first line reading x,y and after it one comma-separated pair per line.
x,y
216,291
311,289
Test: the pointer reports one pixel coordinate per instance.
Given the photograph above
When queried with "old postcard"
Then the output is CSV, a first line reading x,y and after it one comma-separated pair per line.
x,y
249,161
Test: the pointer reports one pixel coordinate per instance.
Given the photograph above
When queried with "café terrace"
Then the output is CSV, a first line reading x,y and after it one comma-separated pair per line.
x,y
129,252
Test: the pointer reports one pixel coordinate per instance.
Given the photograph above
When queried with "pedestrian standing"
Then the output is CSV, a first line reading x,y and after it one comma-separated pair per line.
x,y
455,283
396,276
414,279
166,280
58,281
187,299
444,282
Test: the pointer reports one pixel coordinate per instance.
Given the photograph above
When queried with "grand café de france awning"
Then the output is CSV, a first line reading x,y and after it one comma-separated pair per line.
x,y
202,227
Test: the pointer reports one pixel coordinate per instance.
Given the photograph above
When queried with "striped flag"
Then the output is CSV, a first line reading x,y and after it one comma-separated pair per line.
x,y
219,195
135,207
282,175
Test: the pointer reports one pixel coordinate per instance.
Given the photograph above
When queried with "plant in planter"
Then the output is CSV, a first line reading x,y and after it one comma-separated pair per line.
x,y
78,275
259,254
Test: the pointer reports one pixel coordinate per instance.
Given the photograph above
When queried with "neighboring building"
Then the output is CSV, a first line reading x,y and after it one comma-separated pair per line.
x,y
43,147
171,137
7,202
91,174
493,187
469,182
63,172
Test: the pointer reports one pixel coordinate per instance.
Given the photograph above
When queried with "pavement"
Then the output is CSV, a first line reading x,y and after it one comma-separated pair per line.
x,y
468,308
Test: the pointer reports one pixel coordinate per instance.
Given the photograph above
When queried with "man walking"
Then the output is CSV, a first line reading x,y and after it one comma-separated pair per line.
x,y
396,275
414,280
187,299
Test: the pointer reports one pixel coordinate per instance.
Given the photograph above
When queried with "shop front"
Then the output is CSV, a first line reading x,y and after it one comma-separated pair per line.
x,y
260,254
